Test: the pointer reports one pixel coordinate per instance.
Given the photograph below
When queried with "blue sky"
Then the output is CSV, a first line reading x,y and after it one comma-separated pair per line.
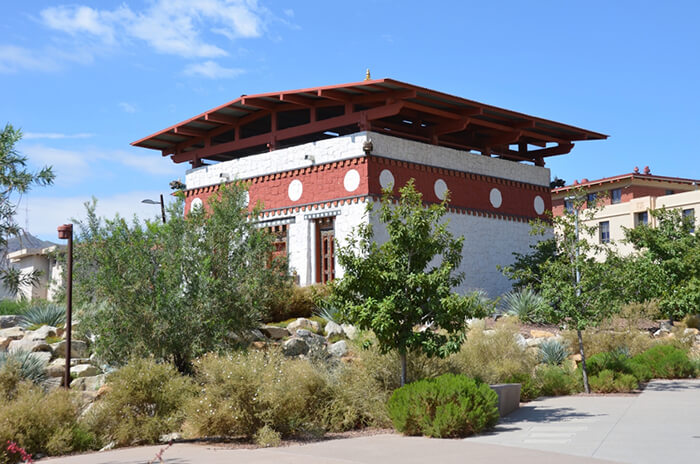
x,y
83,80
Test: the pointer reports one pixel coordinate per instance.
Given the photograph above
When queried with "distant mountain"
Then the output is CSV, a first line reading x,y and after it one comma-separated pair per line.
x,y
26,240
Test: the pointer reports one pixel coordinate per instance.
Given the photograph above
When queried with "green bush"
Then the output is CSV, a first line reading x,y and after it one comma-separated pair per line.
x,y
44,314
529,390
665,362
493,356
43,422
242,392
607,381
444,407
556,380
553,351
143,402
13,307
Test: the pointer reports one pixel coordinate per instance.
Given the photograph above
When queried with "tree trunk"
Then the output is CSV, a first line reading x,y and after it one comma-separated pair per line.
x,y
586,386
403,367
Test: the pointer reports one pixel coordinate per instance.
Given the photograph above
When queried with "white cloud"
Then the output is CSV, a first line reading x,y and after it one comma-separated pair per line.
x,y
55,135
211,70
175,27
14,59
46,213
127,107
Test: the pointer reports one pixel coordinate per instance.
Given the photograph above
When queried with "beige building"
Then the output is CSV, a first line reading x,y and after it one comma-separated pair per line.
x,y
28,260
627,201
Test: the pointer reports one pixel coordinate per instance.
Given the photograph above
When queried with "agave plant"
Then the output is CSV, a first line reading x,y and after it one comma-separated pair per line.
x,y
527,304
31,367
553,351
50,314
328,313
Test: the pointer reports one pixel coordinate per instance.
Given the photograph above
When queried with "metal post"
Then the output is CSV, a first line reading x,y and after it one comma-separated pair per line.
x,y
66,232
162,207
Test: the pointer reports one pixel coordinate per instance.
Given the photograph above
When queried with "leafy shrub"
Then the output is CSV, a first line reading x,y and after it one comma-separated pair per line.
x,y
617,361
267,437
30,366
665,362
243,392
607,381
143,402
635,313
599,341
556,380
355,399
528,387
553,351
43,422
46,314
446,406
493,356
294,301
692,321
525,303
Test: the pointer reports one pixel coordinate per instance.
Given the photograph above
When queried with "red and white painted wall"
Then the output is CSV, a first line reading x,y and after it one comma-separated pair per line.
x,y
318,191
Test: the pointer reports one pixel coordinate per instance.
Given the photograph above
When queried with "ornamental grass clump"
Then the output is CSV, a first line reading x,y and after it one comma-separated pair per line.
x,y
448,406
240,393
143,401
494,356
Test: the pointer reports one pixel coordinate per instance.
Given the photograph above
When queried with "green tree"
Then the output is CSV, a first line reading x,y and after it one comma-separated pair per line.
x,y
176,290
402,289
15,180
671,252
581,290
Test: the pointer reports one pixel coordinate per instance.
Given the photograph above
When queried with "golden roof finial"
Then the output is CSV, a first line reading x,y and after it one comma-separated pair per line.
x,y
367,78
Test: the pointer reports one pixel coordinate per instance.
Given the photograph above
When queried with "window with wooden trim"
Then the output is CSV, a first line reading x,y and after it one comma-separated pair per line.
x,y
280,241
325,249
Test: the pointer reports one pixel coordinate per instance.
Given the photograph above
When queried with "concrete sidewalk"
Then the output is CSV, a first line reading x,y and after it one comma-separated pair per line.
x,y
662,424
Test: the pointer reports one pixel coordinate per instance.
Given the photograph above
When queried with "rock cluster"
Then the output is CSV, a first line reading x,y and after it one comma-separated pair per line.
x,y
302,337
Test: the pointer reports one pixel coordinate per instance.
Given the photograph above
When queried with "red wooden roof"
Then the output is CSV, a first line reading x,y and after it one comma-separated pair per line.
x,y
255,123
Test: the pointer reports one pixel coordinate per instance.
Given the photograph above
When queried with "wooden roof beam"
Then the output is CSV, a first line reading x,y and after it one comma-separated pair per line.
x,y
298,100
259,103
449,127
190,132
221,119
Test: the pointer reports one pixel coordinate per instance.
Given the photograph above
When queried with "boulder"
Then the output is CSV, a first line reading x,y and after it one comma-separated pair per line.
x,y
43,356
13,333
27,344
303,323
9,321
78,349
42,333
91,384
56,368
170,437
576,357
666,326
338,349
275,333
83,370
332,329
691,332
534,333
520,340
295,347
316,343
350,331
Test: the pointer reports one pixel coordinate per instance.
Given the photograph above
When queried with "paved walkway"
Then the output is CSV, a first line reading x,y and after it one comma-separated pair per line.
x,y
660,425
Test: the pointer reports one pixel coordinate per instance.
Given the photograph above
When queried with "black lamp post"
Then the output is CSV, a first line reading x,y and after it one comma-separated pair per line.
x,y
154,202
65,232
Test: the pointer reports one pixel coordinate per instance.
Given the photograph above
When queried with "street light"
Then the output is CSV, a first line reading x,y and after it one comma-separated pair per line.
x,y
154,202
65,232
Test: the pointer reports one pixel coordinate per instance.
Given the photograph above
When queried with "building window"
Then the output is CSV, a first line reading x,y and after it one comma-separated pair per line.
x,y
325,250
641,219
690,215
280,240
669,192
569,206
604,231
591,198
616,196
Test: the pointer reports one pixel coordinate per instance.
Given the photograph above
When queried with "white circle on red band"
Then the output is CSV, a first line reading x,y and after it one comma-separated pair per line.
x,y
440,189
196,203
496,198
351,180
386,179
539,205
295,190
